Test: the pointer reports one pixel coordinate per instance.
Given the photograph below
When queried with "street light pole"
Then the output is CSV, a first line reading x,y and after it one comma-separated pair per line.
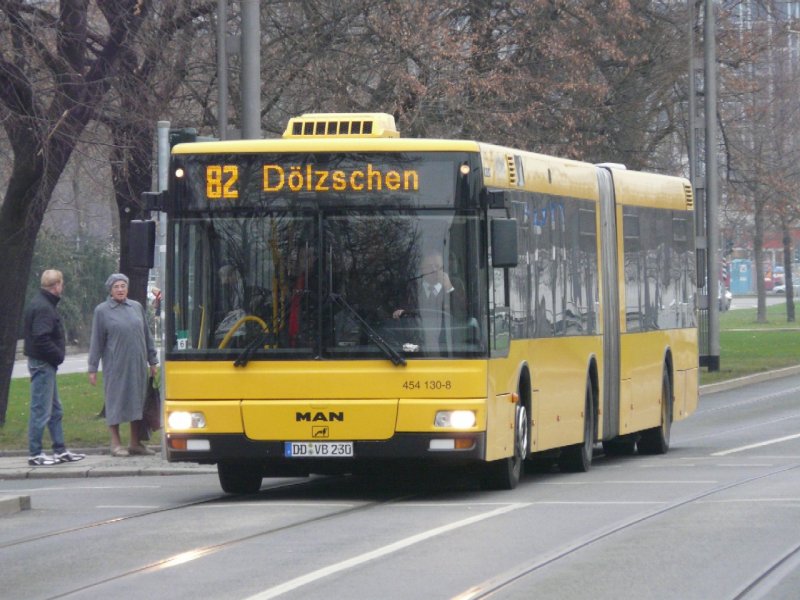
x,y
712,187
222,69
251,70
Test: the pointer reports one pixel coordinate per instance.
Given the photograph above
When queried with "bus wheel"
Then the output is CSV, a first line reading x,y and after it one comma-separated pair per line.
x,y
578,458
239,477
656,440
504,474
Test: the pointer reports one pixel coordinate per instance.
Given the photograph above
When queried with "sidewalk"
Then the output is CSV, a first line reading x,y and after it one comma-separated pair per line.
x,y
96,464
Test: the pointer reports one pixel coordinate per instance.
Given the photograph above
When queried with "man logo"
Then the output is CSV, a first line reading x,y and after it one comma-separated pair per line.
x,y
320,432
319,417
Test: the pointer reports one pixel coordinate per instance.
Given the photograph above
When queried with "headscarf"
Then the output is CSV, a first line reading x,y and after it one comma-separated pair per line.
x,y
114,277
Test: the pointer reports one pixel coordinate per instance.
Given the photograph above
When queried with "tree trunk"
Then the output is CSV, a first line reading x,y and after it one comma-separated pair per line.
x,y
788,280
28,193
17,240
758,253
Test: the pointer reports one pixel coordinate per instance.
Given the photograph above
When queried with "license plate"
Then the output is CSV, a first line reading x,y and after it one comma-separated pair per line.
x,y
318,449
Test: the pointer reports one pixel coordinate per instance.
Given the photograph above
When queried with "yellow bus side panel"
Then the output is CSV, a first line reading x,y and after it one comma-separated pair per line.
x,y
500,426
558,368
684,354
691,394
685,390
641,368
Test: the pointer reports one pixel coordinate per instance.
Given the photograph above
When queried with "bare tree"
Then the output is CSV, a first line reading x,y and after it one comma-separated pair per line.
x,y
759,75
578,79
153,73
56,67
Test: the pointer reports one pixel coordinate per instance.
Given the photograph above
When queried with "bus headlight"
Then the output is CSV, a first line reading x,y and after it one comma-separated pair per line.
x,y
456,419
186,420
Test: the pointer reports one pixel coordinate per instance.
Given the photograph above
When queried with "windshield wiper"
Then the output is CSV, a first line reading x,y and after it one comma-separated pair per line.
x,y
247,352
261,339
392,354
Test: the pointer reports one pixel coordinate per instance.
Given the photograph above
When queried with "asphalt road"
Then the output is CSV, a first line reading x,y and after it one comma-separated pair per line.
x,y
752,301
717,517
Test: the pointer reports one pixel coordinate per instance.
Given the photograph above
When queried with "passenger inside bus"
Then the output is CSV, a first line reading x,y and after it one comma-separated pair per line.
x,y
231,300
300,301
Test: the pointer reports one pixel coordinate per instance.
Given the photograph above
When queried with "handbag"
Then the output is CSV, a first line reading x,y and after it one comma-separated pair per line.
x,y
151,415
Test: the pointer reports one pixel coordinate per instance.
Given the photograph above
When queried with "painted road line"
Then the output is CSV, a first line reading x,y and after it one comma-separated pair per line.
x,y
297,582
758,445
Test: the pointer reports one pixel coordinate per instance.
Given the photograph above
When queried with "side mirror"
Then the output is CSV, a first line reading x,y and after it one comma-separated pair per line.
x,y
142,243
504,243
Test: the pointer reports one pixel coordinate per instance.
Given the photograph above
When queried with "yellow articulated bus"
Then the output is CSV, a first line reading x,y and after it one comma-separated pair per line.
x,y
343,296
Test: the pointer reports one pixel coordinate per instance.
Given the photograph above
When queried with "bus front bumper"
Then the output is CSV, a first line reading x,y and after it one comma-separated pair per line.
x,y
210,449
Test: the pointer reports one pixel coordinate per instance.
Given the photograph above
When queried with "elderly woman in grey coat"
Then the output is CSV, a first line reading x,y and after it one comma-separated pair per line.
x,y
121,340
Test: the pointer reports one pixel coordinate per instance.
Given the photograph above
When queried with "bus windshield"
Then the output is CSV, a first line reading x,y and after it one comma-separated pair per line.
x,y
337,284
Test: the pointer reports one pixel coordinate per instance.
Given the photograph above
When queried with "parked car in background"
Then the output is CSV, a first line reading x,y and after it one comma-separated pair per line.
x,y
781,289
777,277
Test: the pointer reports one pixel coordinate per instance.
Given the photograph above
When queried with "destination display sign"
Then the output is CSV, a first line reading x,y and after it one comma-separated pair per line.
x,y
230,181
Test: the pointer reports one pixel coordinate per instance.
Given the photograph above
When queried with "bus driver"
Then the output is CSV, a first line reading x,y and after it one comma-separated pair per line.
x,y
436,300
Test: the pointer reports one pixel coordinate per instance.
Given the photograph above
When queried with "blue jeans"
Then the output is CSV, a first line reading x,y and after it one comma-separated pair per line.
x,y
46,408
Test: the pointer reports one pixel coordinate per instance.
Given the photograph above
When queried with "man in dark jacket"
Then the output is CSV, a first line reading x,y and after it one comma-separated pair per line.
x,y
437,301
45,346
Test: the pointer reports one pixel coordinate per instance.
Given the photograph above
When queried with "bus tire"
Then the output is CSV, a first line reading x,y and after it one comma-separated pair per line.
x,y
504,474
656,440
578,458
239,477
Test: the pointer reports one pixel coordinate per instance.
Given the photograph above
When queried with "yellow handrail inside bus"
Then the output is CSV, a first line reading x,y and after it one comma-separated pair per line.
x,y
200,336
226,340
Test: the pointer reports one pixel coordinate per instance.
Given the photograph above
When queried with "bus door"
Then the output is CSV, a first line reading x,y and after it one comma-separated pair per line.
x,y
610,303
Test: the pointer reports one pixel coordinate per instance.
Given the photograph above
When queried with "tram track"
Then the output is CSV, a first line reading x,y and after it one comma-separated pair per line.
x,y
497,584
201,551
146,513
762,585
104,522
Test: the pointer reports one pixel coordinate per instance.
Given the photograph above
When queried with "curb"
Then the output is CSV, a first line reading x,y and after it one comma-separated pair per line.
x,y
97,472
731,384
14,504
93,467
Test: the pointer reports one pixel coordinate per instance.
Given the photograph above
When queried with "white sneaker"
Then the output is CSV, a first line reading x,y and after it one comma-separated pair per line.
x,y
67,456
42,460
